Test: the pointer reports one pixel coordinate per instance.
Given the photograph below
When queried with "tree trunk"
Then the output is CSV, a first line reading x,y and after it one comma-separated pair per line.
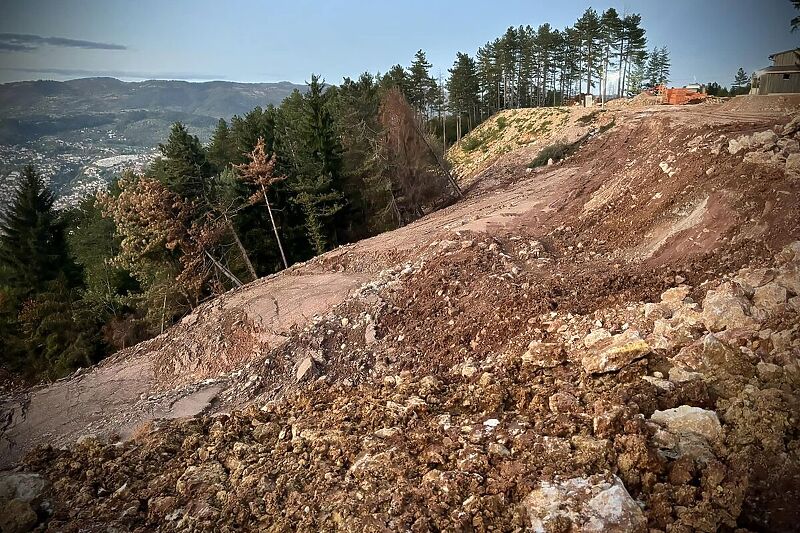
x,y
241,248
274,227
224,270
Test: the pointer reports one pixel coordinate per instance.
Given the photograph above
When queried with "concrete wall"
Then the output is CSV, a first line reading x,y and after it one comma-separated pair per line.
x,y
774,83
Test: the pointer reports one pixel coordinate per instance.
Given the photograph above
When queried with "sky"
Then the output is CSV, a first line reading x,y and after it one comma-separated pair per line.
x,y
270,41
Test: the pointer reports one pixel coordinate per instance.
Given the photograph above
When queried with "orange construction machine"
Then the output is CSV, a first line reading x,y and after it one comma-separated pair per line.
x,y
678,95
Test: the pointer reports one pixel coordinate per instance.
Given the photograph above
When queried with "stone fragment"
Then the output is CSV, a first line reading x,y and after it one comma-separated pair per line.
x,y
544,354
687,419
595,336
593,504
793,164
305,369
769,297
768,371
22,486
789,279
615,353
563,402
752,278
680,375
727,307
16,516
792,127
675,294
714,357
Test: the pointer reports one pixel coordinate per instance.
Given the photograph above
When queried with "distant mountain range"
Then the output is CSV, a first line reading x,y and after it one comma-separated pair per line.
x,y
63,127
30,109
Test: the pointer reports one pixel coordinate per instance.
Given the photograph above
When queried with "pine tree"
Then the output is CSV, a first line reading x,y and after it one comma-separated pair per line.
x,y
183,167
222,148
33,247
741,82
421,86
318,185
632,48
42,331
463,87
588,26
658,66
611,29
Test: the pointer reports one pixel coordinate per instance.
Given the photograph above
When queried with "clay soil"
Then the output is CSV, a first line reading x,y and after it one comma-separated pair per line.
x,y
430,378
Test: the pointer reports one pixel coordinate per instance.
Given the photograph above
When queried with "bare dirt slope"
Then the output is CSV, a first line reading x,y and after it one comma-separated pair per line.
x,y
475,368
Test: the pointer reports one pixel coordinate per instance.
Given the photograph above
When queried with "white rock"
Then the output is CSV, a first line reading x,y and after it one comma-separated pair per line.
x,y
591,504
687,419
595,336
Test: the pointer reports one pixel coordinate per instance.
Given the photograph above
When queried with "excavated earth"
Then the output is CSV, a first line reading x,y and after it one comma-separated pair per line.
x,y
606,344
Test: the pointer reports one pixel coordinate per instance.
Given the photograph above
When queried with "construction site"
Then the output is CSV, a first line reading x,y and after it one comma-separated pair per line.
x,y
605,342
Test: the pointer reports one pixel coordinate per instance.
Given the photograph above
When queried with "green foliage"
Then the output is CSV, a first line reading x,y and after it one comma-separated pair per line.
x,y
46,331
183,166
556,152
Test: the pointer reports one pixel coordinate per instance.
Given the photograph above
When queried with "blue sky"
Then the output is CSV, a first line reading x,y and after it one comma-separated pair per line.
x,y
281,40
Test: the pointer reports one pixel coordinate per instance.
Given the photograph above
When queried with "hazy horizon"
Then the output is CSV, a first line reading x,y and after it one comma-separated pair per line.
x,y
203,41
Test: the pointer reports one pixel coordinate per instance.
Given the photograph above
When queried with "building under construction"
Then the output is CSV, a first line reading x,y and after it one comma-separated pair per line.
x,y
782,77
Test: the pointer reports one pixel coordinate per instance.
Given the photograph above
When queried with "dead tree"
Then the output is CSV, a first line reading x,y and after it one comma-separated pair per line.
x,y
261,172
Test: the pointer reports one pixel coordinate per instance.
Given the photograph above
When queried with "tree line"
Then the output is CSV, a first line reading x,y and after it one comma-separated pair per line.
x,y
273,187
601,53
276,186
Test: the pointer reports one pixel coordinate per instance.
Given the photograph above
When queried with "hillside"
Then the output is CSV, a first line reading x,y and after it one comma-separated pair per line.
x,y
66,127
608,343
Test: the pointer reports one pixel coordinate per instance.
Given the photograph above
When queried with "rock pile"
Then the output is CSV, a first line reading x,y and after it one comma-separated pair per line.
x,y
678,414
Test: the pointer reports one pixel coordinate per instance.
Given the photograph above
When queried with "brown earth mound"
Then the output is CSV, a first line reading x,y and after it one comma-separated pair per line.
x,y
623,326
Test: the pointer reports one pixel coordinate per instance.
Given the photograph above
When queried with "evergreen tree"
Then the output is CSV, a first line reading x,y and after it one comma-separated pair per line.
x,y
589,29
637,77
247,130
741,82
33,247
318,185
463,87
44,331
632,48
183,166
421,89
222,148
658,66
611,30
396,77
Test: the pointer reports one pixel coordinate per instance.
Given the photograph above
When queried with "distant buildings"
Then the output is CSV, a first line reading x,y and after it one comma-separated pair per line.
x,y
783,76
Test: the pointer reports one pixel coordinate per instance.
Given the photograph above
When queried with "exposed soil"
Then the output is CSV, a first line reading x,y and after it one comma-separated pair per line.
x,y
438,376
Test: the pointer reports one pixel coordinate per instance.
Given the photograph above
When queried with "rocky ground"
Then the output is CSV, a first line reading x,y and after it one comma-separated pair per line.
x,y
610,344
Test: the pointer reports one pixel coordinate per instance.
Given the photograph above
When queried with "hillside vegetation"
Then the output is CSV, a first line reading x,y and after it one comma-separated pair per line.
x,y
621,328
531,129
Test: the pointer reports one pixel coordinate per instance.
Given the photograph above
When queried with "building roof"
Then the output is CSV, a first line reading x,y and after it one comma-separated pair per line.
x,y
785,69
797,50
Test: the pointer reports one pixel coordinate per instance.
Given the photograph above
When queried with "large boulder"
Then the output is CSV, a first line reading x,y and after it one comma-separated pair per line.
x,y
614,353
711,355
22,486
17,516
21,494
726,308
687,419
593,504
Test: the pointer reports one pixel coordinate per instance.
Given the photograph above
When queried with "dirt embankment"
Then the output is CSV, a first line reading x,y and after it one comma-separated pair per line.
x,y
585,328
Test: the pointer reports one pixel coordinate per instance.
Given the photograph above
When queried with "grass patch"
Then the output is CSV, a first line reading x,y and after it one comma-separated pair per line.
x,y
501,123
608,126
556,152
471,142
585,120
